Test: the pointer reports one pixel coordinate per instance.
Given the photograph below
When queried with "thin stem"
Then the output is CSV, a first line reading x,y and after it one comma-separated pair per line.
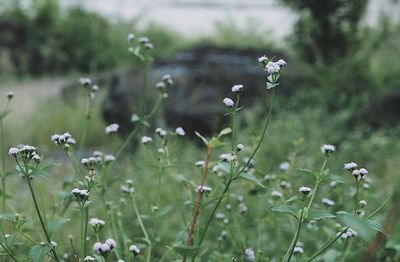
x,y
40,217
381,206
268,119
86,122
77,171
200,193
8,251
210,218
3,166
327,245
356,198
289,253
228,184
146,235
317,181
86,213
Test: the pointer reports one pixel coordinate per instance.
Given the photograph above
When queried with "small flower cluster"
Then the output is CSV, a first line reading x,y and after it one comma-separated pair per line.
x,y
128,188
164,84
229,102
65,140
304,190
358,174
250,255
135,250
105,248
327,149
87,84
348,234
81,195
112,128
26,153
97,224
140,47
272,69
98,158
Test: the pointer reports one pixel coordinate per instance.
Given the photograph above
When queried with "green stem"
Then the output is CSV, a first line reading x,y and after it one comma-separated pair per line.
x,y
146,235
263,133
356,198
86,122
317,182
3,166
289,253
8,252
381,206
86,211
40,217
327,245
210,218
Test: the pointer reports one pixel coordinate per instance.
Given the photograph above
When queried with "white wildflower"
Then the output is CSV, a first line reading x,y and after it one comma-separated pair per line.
x,y
112,128
134,250
146,140
237,88
228,102
350,166
250,254
179,131
328,202
304,190
284,166
13,151
327,148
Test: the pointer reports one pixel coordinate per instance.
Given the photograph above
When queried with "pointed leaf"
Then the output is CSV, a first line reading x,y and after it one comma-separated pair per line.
x,y
55,225
185,250
285,209
318,215
38,252
364,229
252,178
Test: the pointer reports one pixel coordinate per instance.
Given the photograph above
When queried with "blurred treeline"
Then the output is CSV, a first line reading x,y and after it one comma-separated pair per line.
x,y
330,48
40,38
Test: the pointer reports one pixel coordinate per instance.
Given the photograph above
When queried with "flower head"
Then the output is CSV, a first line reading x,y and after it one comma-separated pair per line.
x,y
228,102
113,128
134,250
250,254
237,88
327,149
179,131
305,190
13,151
146,140
130,37
284,166
350,166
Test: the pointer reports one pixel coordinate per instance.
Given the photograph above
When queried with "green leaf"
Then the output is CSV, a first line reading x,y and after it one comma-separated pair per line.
x,y
252,178
336,178
215,142
318,215
307,171
38,252
224,132
201,137
99,258
362,226
55,225
270,85
375,225
186,251
285,209
293,198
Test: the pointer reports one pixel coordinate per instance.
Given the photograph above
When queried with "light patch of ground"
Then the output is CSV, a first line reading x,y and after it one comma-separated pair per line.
x,y
30,93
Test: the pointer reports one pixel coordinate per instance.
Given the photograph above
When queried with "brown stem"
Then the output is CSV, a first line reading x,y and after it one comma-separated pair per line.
x,y
199,199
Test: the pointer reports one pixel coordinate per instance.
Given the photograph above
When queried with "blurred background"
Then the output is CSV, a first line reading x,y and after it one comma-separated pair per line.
x,y
341,85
